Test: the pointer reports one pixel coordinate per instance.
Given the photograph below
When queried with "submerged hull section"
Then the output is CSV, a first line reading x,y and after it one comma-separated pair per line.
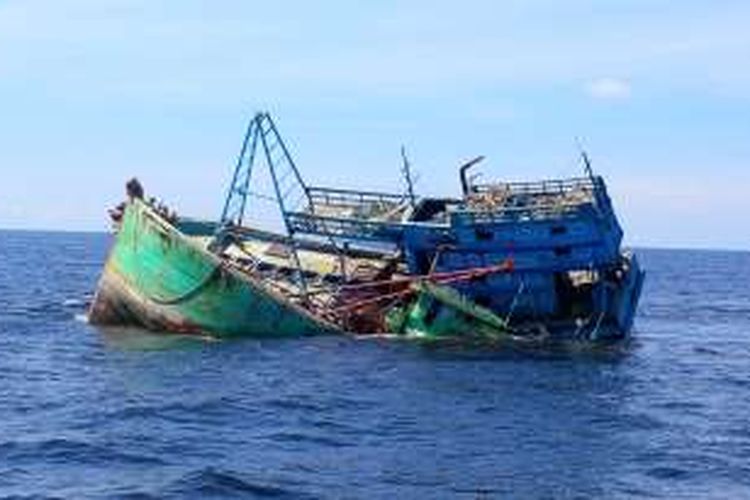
x,y
439,312
158,278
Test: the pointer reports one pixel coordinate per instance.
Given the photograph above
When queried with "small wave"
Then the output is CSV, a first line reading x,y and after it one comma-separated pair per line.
x,y
132,338
74,303
683,406
707,350
664,472
29,497
478,492
44,310
212,481
294,404
138,495
177,412
297,437
64,451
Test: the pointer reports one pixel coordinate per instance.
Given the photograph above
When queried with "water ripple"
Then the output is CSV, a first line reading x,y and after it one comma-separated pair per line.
x,y
65,450
212,482
119,413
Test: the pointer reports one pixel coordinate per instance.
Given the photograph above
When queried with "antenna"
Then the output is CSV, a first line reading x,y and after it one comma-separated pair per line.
x,y
234,206
406,172
586,161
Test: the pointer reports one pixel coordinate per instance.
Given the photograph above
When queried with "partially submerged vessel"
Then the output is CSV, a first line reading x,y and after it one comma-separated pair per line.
x,y
503,259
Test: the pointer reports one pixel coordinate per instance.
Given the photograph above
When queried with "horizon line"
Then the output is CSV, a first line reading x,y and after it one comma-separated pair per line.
x,y
678,247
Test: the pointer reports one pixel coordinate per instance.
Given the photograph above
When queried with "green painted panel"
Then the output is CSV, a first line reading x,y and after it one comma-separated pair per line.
x,y
176,278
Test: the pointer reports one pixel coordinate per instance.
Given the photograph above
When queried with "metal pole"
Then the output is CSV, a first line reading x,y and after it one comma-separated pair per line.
x,y
407,176
248,175
267,116
237,169
280,201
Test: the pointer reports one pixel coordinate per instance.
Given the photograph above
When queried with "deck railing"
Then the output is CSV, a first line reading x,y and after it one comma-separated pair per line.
x,y
342,198
518,201
548,187
468,216
361,229
515,202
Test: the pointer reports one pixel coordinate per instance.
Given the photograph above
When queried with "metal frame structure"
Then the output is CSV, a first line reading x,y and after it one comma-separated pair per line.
x,y
262,129
285,177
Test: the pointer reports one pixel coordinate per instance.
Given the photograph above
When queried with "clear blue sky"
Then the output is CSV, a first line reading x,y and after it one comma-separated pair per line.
x,y
94,91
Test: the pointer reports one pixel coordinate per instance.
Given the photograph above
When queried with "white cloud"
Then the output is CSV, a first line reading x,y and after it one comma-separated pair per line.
x,y
609,88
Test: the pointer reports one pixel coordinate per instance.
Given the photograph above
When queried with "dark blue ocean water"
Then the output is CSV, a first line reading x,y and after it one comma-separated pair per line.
x,y
92,414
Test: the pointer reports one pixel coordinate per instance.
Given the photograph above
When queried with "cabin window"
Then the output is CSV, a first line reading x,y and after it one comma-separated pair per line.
x,y
562,251
558,230
483,234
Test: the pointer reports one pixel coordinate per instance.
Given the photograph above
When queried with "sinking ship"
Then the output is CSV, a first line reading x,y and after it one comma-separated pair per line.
x,y
504,260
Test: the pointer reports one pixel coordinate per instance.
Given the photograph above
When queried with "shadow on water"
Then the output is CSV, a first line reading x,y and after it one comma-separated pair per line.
x,y
138,339
132,338
548,349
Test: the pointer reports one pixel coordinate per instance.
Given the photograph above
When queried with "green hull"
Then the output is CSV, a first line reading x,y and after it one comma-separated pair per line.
x,y
439,312
158,278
